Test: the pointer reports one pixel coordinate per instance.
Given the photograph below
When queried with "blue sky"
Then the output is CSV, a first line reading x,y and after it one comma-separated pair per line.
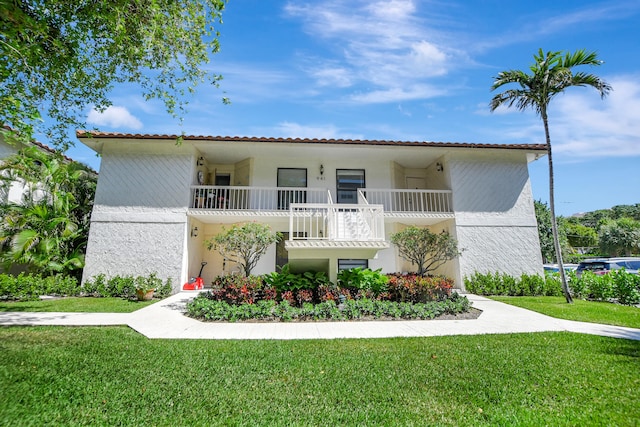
x,y
418,71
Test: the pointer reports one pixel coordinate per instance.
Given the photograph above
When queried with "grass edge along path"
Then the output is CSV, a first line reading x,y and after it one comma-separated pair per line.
x,y
582,311
113,376
76,305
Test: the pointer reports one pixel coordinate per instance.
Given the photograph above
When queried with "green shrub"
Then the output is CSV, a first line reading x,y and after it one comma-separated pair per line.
x,y
165,290
626,287
207,309
25,287
125,286
363,279
503,284
600,286
284,280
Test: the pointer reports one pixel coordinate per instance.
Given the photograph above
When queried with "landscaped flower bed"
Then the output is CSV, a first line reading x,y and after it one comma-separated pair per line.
x,y
360,295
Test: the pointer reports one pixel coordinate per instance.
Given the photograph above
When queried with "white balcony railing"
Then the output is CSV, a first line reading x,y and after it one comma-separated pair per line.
x,y
227,198
359,223
414,201
253,198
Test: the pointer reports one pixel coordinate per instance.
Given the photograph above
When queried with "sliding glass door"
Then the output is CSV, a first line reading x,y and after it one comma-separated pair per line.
x,y
291,177
348,181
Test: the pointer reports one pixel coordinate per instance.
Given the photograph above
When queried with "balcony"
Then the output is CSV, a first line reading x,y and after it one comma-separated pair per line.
x,y
398,202
225,200
235,199
347,231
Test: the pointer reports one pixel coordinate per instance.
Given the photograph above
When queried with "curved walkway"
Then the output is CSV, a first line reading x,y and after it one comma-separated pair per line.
x,y
165,319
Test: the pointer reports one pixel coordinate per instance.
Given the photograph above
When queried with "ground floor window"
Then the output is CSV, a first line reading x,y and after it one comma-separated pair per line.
x,y
346,264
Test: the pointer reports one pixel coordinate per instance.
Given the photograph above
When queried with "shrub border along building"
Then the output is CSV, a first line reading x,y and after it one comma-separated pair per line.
x,y
616,286
30,287
359,294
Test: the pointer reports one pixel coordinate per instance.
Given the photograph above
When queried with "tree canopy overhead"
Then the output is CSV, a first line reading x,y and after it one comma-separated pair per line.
x,y
58,57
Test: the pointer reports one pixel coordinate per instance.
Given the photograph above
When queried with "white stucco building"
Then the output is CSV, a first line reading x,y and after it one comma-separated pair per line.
x,y
337,201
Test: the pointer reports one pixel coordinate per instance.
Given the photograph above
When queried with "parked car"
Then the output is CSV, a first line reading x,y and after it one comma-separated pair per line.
x,y
605,265
553,268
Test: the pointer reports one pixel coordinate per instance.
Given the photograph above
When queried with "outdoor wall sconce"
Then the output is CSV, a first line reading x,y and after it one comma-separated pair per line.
x,y
321,170
200,161
439,167
194,232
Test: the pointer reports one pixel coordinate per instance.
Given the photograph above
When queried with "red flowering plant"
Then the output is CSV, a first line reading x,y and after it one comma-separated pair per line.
x,y
289,297
414,288
236,289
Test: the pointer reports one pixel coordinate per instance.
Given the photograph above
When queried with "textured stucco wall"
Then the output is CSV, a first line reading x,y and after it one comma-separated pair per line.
x,y
139,222
133,248
495,218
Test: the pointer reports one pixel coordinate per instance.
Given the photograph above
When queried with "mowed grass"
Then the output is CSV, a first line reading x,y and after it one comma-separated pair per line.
x,y
113,376
581,310
76,304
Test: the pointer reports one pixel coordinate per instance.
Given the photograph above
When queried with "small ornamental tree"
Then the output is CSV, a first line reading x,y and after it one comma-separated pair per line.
x,y
425,249
244,244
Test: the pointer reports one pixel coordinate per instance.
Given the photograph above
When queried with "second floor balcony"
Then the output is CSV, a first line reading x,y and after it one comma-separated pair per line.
x,y
278,200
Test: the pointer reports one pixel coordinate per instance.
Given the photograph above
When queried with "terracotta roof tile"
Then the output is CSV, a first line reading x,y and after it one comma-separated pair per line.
x,y
117,135
48,149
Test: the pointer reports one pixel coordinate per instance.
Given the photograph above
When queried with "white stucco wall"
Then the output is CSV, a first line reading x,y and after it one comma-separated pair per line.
x,y
139,223
494,216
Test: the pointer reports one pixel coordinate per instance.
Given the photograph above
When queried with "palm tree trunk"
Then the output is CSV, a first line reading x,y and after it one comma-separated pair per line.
x,y
552,208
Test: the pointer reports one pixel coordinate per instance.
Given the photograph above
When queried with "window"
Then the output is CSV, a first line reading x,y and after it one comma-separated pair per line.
x,y
348,181
290,177
346,264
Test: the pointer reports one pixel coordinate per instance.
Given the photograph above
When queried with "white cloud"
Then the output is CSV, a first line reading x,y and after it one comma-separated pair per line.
x,y
114,117
586,126
394,94
384,44
332,76
296,130
581,124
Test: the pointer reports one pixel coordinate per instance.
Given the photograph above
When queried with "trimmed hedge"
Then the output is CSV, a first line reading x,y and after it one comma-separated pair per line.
x,y
504,284
204,308
125,286
618,286
29,287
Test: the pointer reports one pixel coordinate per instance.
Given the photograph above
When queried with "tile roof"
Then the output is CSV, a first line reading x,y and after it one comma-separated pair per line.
x,y
50,150
118,135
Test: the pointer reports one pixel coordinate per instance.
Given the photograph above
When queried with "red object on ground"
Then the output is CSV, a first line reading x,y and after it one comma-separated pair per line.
x,y
195,283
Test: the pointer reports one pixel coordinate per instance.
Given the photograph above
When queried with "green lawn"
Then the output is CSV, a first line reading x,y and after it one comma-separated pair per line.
x,y
113,376
77,304
581,310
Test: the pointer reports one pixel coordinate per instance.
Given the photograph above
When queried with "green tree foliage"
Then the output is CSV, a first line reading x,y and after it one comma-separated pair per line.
x,y
626,211
545,234
425,249
580,236
60,57
620,237
551,73
543,217
46,231
244,244
598,217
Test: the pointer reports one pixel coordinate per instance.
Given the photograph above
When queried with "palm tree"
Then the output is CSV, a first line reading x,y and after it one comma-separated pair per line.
x,y
551,74
47,230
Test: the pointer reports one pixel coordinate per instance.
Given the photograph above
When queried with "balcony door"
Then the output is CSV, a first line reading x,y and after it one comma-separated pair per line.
x,y
347,183
291,177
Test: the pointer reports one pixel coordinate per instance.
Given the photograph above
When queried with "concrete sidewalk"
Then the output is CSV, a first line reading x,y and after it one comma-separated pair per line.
x,y
165,319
